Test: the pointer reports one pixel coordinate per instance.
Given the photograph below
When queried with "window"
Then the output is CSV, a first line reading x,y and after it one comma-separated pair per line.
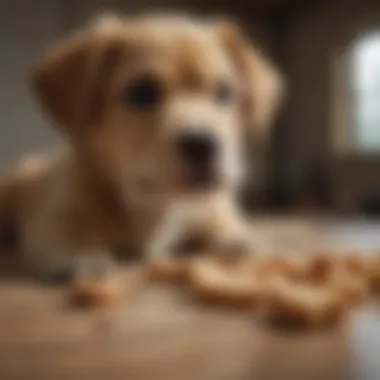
x,y
365,85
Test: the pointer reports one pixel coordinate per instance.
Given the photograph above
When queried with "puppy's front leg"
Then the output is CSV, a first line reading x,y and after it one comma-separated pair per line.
x,y
168,233
232,234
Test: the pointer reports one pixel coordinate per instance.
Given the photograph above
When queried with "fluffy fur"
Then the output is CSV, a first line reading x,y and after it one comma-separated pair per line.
x,y
120,185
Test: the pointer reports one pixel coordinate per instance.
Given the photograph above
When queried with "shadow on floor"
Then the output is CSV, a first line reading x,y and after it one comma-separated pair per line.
x,y
11,267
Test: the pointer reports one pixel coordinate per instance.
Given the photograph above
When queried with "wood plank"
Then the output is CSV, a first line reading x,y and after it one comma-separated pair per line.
x,y
159,334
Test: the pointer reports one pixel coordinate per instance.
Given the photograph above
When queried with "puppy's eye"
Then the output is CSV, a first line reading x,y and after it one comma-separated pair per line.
x,y
224,93
143,93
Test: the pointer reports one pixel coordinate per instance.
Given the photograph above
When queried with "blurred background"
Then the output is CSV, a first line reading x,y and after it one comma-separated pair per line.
x,y
324,150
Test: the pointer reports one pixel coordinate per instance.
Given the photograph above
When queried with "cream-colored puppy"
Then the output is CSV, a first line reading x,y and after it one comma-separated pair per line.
x,y
155,110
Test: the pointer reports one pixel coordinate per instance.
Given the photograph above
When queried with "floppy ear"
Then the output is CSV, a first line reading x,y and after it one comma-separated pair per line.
x,y
263,86
70,79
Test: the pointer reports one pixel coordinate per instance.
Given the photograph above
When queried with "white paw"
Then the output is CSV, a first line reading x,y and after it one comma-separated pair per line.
x,y
240,245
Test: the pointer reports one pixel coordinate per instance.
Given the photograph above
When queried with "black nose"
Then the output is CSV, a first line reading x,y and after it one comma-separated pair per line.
x,y
197,147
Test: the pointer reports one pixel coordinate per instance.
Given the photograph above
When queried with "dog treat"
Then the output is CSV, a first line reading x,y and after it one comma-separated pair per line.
x,y
268,266
302,305
347,275
357,265
353,288
296,269
352,277
288,266
319,269
95,289
374,278
97,293
168,270
311,291
215,282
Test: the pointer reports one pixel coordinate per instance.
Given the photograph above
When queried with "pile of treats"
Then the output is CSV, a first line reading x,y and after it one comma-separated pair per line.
x,y
313,291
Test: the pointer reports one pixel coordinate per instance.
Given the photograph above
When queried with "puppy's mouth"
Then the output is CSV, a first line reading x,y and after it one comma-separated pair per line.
x,y
199,177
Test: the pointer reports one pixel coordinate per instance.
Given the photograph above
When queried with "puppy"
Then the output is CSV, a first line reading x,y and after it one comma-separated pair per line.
x,y
155,110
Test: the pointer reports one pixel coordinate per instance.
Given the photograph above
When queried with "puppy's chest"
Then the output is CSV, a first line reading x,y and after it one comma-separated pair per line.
x,y
130,229
129,232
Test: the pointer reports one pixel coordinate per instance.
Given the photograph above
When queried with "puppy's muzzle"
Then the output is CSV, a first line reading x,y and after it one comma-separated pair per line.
x,y
198,154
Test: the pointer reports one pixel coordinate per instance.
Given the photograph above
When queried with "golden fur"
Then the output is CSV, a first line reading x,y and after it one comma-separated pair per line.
x,y
119,180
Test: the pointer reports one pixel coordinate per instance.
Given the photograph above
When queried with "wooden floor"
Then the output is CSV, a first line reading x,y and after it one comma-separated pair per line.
x,y
157,334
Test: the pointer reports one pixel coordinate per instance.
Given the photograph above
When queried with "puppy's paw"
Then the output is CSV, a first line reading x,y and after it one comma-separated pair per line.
x,y
238,242
236,246
233,248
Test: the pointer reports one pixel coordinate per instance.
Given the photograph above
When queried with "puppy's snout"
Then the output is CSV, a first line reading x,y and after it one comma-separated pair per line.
x,y
196,147
198,156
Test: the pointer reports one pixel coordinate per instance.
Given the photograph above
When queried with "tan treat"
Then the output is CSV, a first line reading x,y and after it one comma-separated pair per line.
x,y
168,270
226,284
298,268
95,292
352,287
375,276
270,266
352,276
304,305
319,269
287,266
314,268
357,265
348,276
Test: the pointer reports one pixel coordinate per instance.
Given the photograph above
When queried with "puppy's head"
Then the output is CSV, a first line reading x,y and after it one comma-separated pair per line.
x,y
167,100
